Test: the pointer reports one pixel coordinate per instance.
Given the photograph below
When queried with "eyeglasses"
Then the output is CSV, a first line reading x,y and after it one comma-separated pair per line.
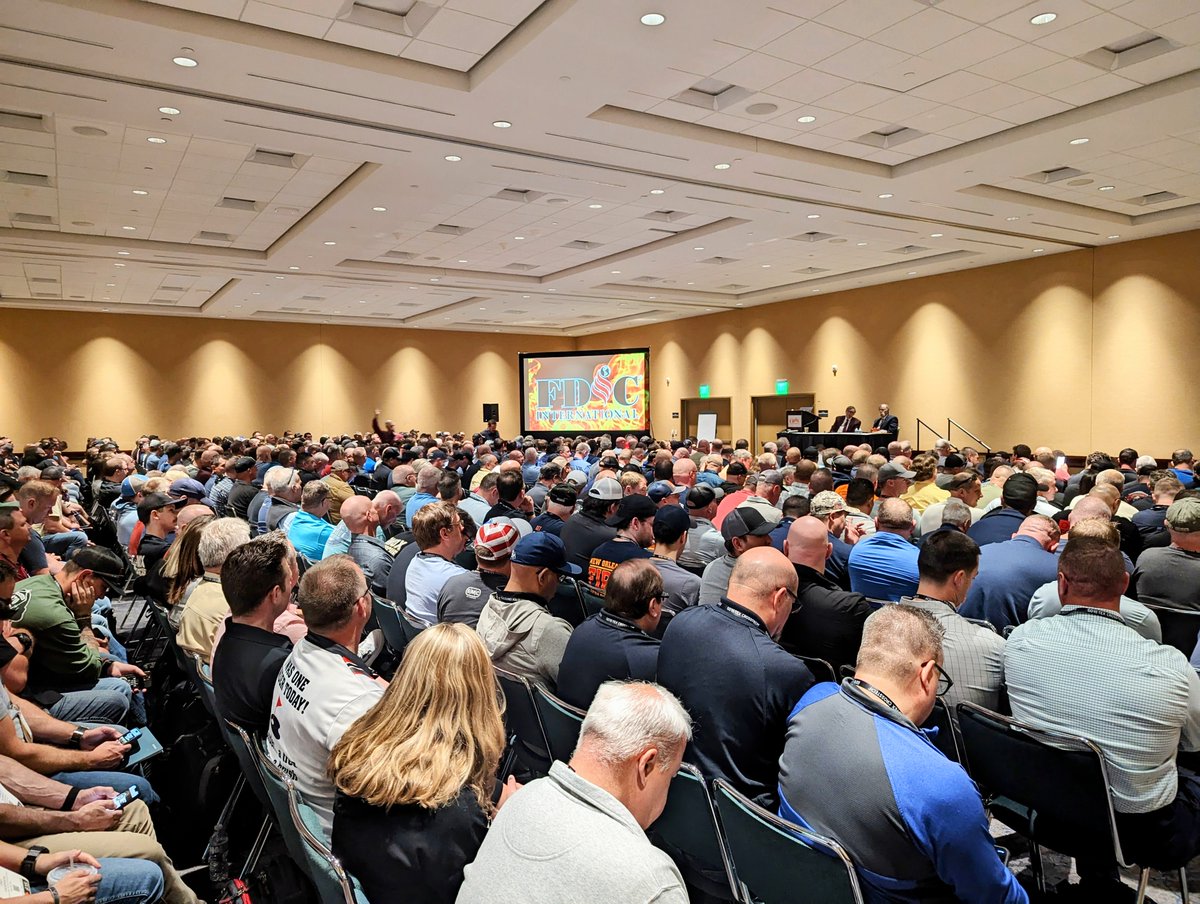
x,y
945,682
295,594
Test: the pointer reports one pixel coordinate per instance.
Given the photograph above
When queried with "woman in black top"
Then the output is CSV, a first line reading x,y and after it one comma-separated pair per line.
x,y
415,775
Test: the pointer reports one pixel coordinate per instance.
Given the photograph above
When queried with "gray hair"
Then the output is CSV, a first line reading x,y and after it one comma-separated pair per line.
x,y
1145,461
896,638
626,717
221,537
427,479
957,513
278,479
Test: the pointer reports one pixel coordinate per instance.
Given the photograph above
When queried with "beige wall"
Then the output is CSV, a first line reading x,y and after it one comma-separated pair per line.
x,y
76,375
1079,351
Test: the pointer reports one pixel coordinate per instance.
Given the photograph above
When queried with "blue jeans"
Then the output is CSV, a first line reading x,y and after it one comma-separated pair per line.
x,y
121,781
65,544
125,881
108,703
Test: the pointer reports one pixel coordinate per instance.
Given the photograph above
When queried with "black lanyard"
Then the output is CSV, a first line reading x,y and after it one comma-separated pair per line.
x,y
1099,613
862,685
934,599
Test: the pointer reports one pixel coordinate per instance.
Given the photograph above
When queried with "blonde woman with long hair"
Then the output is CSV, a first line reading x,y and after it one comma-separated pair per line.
x,y
416,774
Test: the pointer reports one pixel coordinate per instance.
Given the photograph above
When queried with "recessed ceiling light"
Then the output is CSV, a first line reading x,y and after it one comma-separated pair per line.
x,y
453,158
691,284
595,206
153,139
110,285
293,268
615,272
329,243
815,291
814,216
279,277
118,265
1114,236
170,111
935,235
525,296
697,247
886,195
861,244
123,253
502,124
652,297
1010,219
186,62
653,19
256,293
105,310
912,272
1043,18
435,279
1079,141
552,290
462,260
807,119
140,191
721,166
765,266
518,238
1038,250
657,191
129,228
379,209
1106,188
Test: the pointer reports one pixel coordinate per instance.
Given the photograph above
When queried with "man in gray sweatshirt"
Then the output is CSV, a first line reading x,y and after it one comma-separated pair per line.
x,y
578,834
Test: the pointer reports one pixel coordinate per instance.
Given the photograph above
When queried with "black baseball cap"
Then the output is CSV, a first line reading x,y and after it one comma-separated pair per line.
x,y
630,507
103,564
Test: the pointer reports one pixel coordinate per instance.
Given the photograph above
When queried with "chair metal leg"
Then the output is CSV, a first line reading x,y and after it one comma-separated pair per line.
x,y
256,849
1183,889
1143,881
1035,863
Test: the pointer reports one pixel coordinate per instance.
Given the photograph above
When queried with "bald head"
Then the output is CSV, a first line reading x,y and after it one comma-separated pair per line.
x,y
355,512
1090,508
1110,494
808,543
190,513
764,581
1040,528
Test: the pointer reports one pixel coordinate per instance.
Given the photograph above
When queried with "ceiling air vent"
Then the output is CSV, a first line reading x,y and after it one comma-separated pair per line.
x,y
521,195
733,287
399,255
646,279
205,235
239,204
712,94
273,158
1157,197
29,122
909,249
521,267
889,136
813,271
666,216
18,178
312,297
812,237
1058,174
33,219
1138,48
581,245
447,229
719,260
43,279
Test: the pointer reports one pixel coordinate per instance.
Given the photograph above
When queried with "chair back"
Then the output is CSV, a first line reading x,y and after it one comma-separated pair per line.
x,y
521,719
821,670
688,830
567,603
1180,627
201,675
983,623
776,859
334,884
277,787
946,740
391,623
560,721
590,598
1050,787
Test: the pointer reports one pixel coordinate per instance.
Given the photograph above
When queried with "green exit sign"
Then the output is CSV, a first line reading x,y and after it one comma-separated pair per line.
x,y
781,387
705,390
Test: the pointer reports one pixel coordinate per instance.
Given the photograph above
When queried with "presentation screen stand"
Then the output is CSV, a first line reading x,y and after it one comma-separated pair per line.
x,y
706,425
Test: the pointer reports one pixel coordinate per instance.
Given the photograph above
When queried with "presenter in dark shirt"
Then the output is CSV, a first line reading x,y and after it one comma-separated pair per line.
x,y
886,422
616,643
847,423
404,816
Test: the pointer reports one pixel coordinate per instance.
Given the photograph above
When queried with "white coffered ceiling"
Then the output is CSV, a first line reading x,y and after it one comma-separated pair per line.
x,y
327,160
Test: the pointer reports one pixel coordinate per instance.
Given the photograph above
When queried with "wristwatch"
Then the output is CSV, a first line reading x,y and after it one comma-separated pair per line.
x,y
30,860
77,737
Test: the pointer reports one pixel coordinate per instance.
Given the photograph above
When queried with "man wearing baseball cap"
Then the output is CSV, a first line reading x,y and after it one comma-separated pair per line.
x,y
157,511
463,597
587,528
520,634
681,588
704,542
560,505
634,521
744,528
663,492
124,511
1169,576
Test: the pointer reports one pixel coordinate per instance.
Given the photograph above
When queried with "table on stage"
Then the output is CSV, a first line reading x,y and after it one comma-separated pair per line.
x,y
836,440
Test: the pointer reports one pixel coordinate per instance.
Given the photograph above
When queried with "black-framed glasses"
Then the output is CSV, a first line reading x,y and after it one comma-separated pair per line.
x,y
295,594
945,682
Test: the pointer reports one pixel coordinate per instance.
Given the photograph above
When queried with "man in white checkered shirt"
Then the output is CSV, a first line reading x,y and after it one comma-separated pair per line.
x,y
1085,672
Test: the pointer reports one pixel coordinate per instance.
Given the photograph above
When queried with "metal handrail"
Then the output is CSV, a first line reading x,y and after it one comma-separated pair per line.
x,y
950,421
920,424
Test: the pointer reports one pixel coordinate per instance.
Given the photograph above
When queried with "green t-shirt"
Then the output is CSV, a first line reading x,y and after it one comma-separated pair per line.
x,y
62,660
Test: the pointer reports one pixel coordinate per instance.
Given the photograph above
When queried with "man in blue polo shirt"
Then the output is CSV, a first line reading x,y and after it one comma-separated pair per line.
x,y
1017,498
1012,571
883,566
616,643
857,768
724,664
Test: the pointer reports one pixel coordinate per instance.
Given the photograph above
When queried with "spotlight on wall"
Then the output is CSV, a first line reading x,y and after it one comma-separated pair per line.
x,y
835,370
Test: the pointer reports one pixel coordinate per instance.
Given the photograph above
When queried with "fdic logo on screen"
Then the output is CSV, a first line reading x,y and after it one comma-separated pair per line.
x,y
575,392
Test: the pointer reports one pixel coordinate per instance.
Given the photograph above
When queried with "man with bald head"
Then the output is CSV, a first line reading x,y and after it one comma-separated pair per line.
x,y
1011,571
740,708
826,621
362,520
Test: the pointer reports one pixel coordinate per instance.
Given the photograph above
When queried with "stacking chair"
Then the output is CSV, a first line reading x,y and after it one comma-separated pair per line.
x,y
1050,787
689,832
201,676
590,598
278,788
946,740
821,670
1180,627
334,884
389,619
522,720
780,862
560,721
567,603
983,623
243,751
